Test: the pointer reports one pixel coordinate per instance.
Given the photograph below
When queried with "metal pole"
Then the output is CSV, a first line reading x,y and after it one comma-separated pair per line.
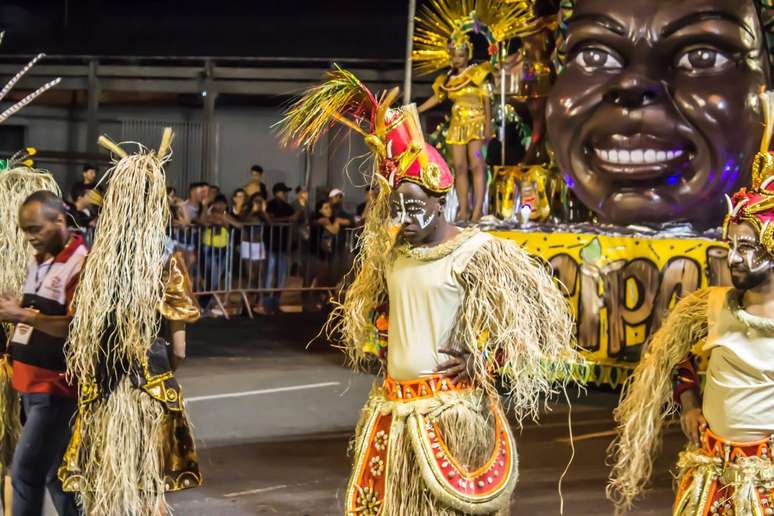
x,y
503,55
412,9
92,113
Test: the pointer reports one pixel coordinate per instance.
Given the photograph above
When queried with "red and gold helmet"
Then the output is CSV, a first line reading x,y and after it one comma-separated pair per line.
x,y
393,135
756,204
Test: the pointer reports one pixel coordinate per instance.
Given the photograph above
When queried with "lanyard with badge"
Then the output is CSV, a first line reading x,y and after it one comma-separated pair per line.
x,y
23,332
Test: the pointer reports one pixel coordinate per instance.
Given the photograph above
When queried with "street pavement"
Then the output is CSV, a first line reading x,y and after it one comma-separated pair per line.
x,y
274,417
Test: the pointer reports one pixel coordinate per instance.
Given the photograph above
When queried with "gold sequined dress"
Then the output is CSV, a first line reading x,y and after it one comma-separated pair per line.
x,y
469,91
156,379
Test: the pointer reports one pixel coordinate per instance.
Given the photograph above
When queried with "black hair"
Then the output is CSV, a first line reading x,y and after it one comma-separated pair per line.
x,y
193,186
79,191
220,198
256,168
89,166
237,191
52,205
171,189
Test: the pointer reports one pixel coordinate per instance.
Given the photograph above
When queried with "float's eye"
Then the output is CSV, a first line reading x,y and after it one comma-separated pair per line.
x,y
702,59
594,58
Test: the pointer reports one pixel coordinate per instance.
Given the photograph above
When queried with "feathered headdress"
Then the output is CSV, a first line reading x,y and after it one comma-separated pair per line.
x,y
443,25
394,136
756,205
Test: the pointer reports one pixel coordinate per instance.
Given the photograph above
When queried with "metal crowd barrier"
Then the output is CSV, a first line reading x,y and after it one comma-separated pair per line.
x,y
254,265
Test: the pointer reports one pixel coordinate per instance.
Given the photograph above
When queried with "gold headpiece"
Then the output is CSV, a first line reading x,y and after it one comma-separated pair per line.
x,y
442,25
756,204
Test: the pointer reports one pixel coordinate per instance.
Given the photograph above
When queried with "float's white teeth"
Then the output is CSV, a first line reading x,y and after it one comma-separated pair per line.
x,y
637,156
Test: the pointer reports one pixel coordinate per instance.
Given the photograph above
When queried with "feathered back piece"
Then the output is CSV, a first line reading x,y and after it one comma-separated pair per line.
x,y
442,26
5,115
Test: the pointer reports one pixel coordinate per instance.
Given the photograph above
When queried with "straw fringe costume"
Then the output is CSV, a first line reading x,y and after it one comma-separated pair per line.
x,y
731,472
133,440
425,445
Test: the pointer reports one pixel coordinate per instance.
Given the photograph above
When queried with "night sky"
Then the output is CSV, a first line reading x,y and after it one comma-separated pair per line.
x,y
262,28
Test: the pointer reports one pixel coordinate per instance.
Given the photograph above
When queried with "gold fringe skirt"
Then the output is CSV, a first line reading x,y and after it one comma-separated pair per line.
x,y
126,451
428,447
725,478
466,125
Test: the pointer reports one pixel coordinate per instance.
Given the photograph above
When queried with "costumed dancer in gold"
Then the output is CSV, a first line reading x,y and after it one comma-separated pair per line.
x,y
132,440
727,466
445,310
441,41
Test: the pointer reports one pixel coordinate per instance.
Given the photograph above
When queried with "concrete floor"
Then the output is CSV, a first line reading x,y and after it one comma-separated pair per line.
x,y
274,419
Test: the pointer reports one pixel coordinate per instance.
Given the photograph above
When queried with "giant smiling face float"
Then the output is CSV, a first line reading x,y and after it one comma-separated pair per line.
x,y
655,116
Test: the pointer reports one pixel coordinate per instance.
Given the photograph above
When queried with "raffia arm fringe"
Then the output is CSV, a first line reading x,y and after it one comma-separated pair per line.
x,y
121,283
646,399
120,456
350,325
511,298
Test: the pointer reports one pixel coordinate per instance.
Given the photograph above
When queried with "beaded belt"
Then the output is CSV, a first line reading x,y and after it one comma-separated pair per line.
x,y
421,388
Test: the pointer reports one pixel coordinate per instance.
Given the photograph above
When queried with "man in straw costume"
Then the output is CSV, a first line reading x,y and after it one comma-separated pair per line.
x,y
451,307
726,467
132,440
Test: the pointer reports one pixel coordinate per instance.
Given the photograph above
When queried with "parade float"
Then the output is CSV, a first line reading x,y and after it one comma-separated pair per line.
x,y
621,185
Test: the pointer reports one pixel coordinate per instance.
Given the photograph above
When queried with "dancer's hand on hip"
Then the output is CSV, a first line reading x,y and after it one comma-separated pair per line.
x,y
459,368
691,419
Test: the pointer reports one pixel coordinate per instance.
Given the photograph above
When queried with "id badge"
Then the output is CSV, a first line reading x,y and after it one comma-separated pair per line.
x,y
22,334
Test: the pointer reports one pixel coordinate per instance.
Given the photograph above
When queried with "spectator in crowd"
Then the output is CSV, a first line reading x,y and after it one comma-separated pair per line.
x,y
252,249
325,229
193,205
210,193
81,213
216,238
364,207
256,184
88,180
336,199
177,211
279,209
301,205
239,204
277,238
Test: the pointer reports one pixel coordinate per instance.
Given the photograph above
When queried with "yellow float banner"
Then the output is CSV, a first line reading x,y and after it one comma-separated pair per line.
x,y
622,287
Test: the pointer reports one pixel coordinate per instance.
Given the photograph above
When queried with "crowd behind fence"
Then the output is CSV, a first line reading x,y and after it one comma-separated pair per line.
x,y
248,269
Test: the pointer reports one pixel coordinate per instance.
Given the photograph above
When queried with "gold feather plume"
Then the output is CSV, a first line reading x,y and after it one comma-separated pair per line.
x,y
438,20
341,98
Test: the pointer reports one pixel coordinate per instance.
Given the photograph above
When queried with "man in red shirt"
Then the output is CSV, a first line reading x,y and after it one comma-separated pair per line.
x,y
42,320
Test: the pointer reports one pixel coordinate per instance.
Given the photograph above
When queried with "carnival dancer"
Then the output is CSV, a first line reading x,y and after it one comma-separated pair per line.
x,y
132,440
727,466
442,41
445,309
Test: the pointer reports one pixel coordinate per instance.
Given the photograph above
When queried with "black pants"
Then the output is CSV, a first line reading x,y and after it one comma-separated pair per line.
x,y
44,437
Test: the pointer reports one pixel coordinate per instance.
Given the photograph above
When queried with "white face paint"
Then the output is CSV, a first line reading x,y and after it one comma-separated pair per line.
x,y
748,251
412,210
